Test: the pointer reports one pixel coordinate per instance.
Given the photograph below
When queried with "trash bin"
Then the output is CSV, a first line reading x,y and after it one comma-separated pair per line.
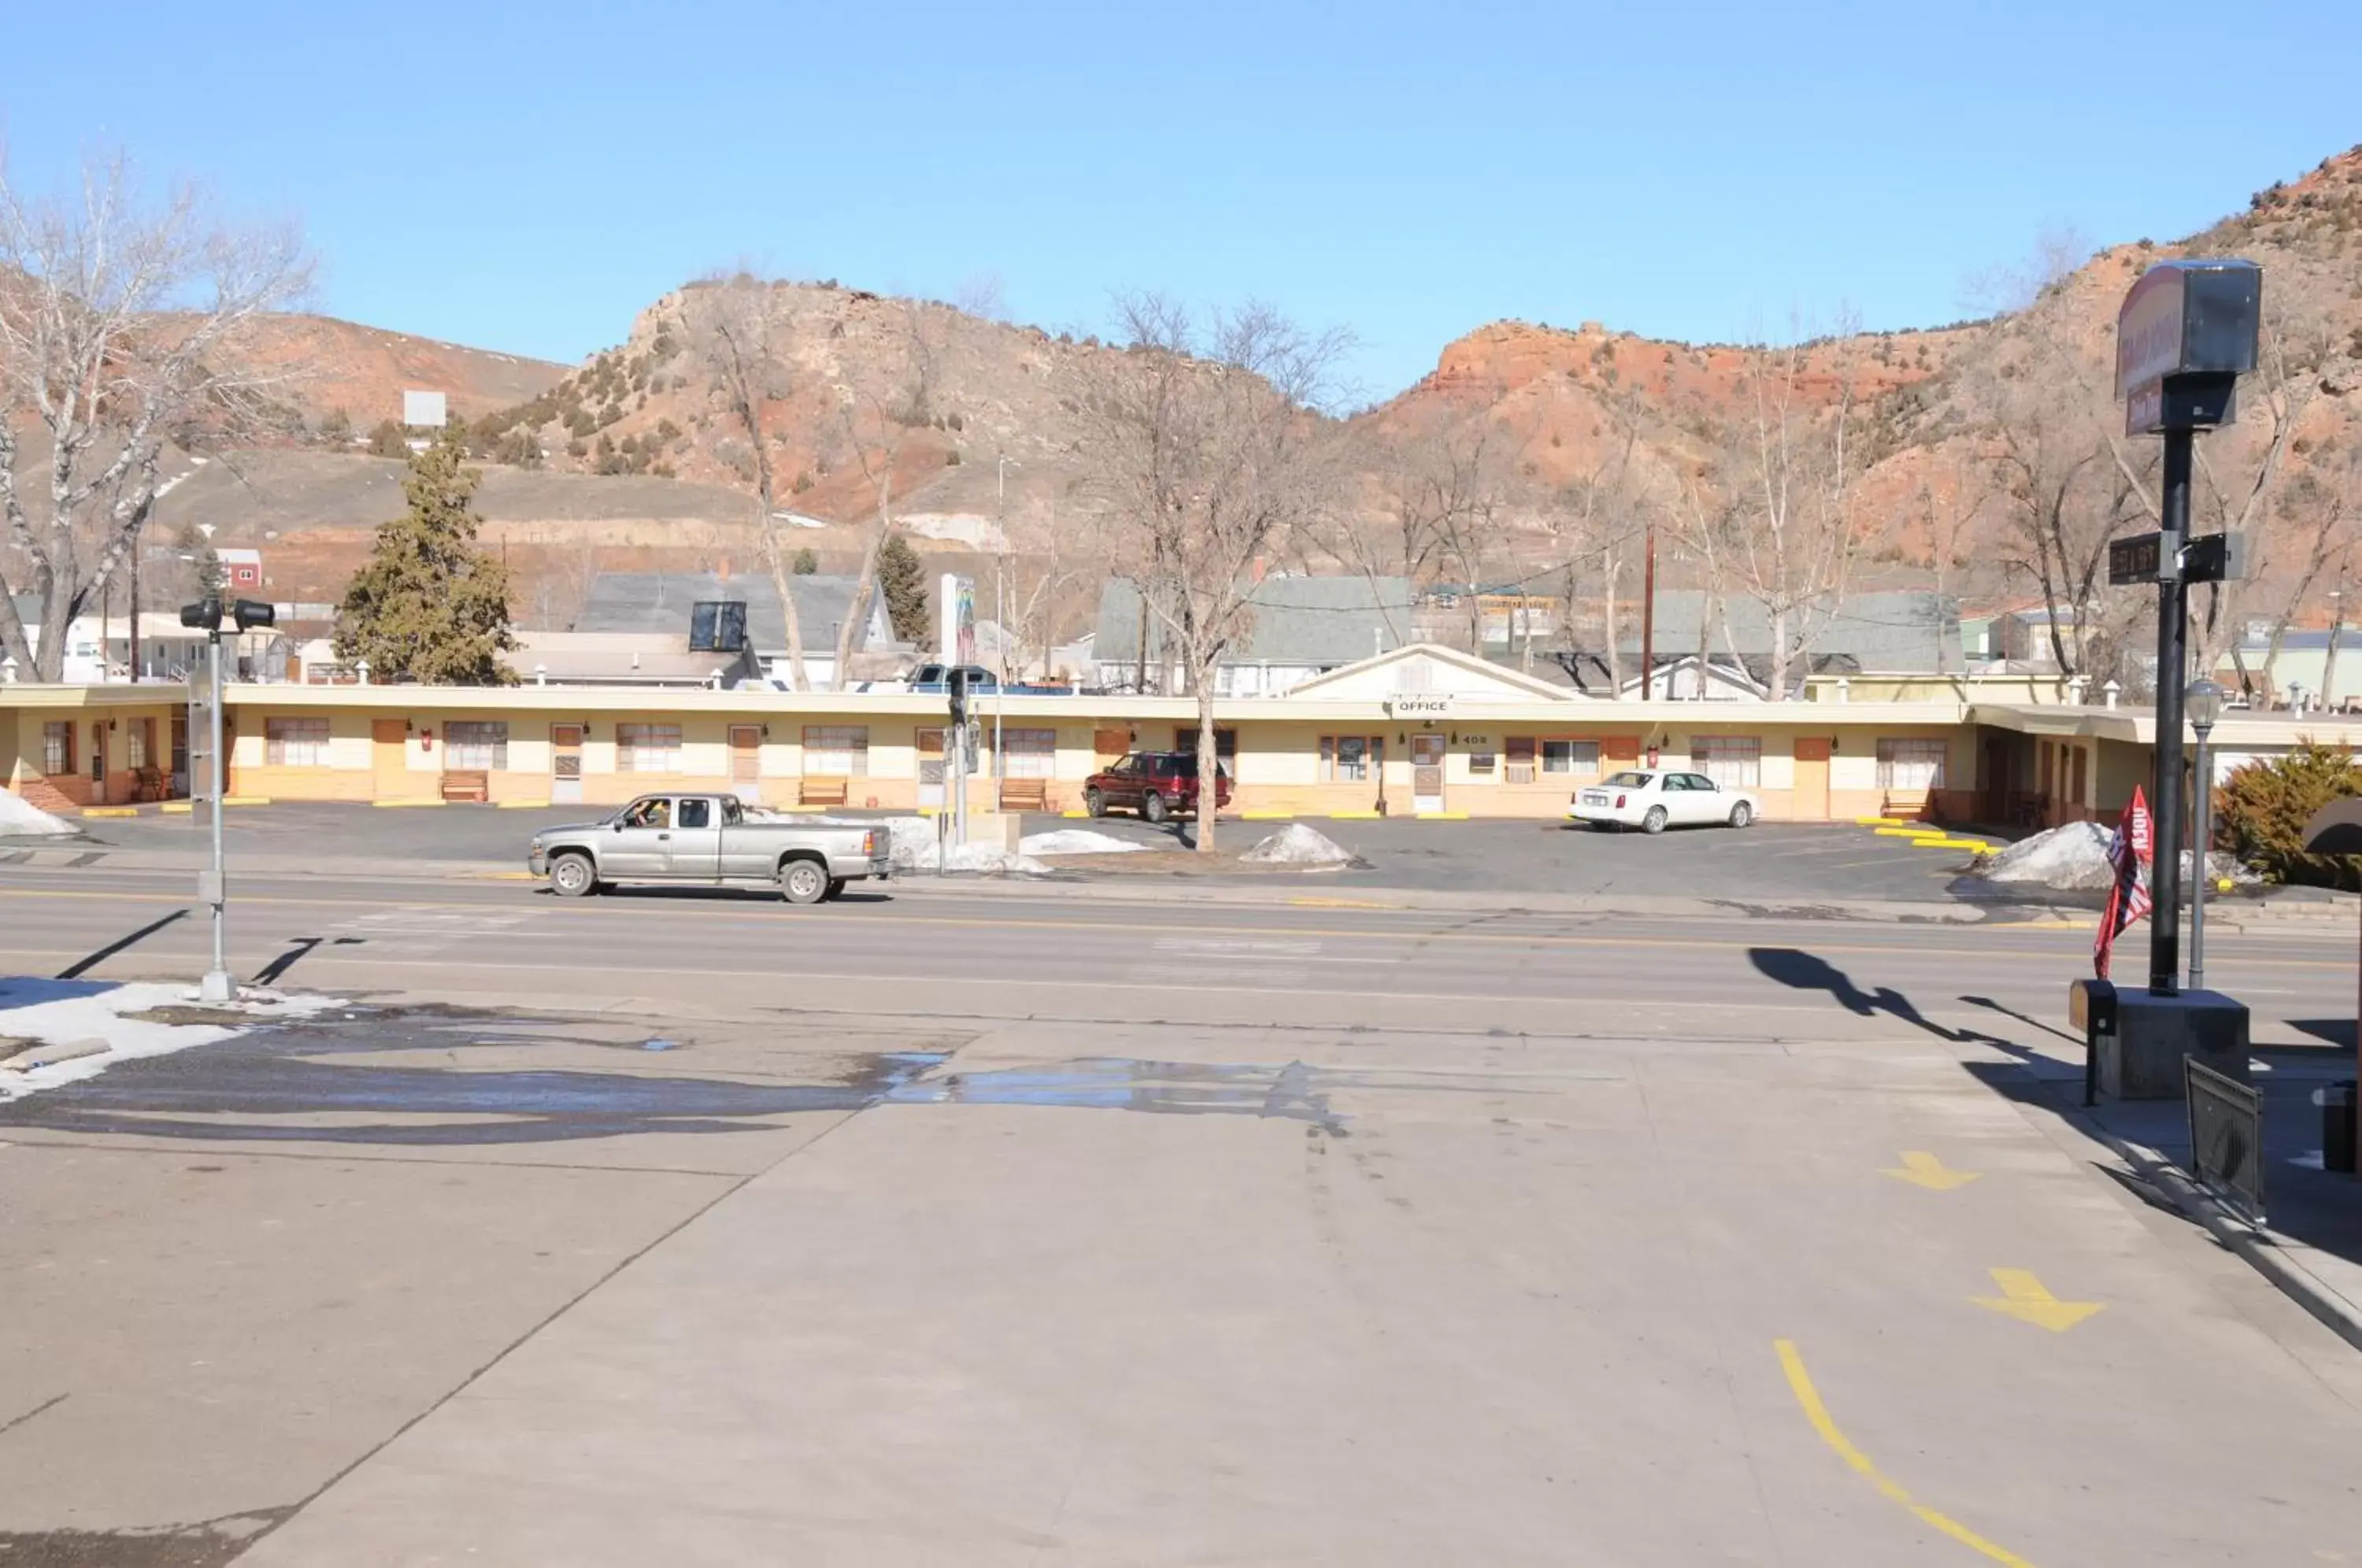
x,y
2336,1102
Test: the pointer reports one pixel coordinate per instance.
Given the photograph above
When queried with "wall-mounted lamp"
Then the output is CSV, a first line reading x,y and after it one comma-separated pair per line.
x,y
1832,746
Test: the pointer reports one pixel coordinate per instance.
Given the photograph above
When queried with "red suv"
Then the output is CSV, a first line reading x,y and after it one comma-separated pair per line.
x,y
1156,784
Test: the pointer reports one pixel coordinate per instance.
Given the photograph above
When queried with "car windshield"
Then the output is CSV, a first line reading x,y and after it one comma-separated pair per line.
x,y
1629,781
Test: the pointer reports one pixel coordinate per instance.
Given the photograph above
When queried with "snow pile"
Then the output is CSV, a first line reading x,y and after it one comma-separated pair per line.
x,y
19,818
1076,841
1297,845
81,1029
2073,857
988,858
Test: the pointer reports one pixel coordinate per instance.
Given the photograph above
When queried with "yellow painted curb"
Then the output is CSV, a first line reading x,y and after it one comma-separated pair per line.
x,y
1977,844
246,800
501,877
1878,821
1268,816
389,805
1075,816
110,811
1354,817
1908,832
180,808
520,805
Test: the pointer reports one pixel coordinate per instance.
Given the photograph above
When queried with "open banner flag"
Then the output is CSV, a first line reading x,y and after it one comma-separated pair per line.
x,y
2130,852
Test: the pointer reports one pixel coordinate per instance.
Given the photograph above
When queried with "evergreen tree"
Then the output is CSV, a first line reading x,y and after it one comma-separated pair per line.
x,y
903,579
807,564
430,607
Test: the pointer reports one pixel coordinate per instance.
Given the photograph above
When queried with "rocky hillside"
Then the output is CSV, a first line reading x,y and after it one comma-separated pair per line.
x,y
363,370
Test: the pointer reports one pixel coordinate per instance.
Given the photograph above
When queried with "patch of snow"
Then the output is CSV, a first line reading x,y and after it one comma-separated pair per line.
x,y
1076,841
2072,856
2075,858
19,818
918,846
1297,845
991,858
72,1014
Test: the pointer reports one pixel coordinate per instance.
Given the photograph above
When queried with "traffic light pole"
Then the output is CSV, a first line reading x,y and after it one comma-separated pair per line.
x,y
218,986
2172,672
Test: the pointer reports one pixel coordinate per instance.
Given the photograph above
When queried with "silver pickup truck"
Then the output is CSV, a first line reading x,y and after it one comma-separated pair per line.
x,y
708,840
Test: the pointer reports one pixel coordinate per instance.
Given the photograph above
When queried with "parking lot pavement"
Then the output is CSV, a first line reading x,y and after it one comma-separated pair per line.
x,y
1767,862
417,1289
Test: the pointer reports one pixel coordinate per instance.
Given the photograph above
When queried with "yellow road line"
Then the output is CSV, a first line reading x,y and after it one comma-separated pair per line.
x,y
1801,1384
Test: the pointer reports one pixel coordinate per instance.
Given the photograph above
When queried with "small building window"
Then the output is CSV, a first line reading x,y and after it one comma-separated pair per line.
x,y
1481,764
296,742
1521,760
1911,765
647,748
1028,754
1580,758
837,751
56,748
1734,762
476,746
1351,759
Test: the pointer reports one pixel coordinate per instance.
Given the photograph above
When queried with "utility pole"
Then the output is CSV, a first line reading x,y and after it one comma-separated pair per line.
x,y
1649,615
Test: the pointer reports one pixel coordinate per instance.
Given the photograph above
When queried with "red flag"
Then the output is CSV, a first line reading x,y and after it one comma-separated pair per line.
x,y
2130,852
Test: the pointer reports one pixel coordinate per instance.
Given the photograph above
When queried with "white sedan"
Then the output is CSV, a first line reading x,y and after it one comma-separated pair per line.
x,y
1655,799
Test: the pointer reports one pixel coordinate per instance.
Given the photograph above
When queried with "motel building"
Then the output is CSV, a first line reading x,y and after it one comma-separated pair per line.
x,y
1419,731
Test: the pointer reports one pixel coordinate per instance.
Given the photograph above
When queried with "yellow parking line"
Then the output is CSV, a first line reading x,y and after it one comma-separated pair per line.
x,y
180,808
246,800
110,811
1801,1384
1353,816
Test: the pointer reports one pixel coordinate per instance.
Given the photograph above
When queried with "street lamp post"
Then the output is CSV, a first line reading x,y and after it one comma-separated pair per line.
x,y
2203,703
206,615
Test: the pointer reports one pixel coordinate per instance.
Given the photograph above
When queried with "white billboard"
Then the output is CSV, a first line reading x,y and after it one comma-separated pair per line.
x,y
423,410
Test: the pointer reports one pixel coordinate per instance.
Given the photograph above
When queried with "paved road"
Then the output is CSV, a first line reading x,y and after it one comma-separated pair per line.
x,y
952,1229
1792,862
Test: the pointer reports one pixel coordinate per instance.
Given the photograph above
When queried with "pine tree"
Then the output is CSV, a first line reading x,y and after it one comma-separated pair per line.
x,y
430,607
806,563
903,579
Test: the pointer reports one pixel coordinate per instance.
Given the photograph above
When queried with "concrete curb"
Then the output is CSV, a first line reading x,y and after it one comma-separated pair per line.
x,y
2278,1258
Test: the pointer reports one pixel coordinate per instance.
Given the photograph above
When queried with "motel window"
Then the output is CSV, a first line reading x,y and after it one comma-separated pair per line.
x,y
56,748
1734,762
1029,754
1909,765
140,741
1574,757
647,748
837,751
476,746
1351,759
1482,764
296,742
1521,760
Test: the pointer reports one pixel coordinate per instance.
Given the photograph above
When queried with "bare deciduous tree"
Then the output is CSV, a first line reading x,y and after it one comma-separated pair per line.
x,y
733,339
889,392
122,330
1207,449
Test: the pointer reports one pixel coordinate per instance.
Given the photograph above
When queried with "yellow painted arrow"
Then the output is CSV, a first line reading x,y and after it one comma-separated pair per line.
x,y
1921,1168
2028,1300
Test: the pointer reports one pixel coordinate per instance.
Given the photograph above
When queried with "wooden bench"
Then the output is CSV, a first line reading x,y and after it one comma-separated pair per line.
x,y
822,791
1910,805
467,785
1024,794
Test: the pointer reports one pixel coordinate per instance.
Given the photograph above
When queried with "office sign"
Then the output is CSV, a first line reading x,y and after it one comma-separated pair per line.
x,y
2184,318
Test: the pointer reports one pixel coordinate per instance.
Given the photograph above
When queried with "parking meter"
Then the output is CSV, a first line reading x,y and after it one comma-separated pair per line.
x,y
2092,1007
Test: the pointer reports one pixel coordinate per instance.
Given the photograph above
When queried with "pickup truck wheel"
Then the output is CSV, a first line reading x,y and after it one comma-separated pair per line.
x,y
802,882
1094,802
1152,807
836,888
573,877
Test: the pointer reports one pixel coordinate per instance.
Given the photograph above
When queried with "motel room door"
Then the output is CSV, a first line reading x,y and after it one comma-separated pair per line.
x,y
389,758
1426,771
746,762
565,764
1809,800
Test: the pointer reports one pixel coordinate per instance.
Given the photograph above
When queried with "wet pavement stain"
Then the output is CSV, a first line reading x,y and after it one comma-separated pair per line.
x,y
267,1085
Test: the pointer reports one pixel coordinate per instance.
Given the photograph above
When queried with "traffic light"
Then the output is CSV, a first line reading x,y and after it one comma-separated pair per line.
x,y
955,685
205,615
252,613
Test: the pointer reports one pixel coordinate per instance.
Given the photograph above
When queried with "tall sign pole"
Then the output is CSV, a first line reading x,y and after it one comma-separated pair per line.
x,y
218,986
2185,334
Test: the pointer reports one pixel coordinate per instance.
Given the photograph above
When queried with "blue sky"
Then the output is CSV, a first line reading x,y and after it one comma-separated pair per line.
x,y
526,176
